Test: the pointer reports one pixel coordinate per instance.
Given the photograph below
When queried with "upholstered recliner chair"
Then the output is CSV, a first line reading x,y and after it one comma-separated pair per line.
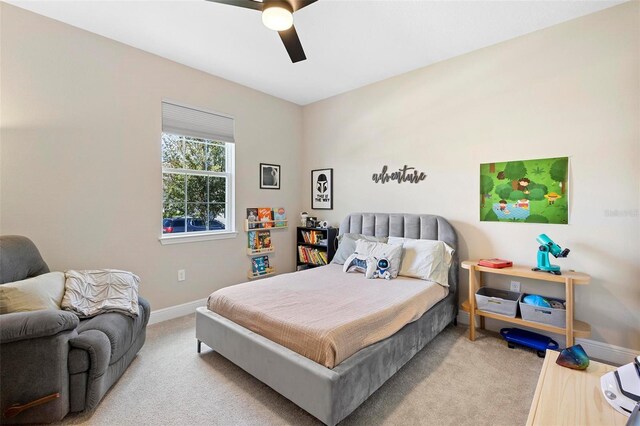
x,y
52,363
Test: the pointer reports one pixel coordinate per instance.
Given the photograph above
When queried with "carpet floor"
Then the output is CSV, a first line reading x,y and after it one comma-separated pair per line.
x,y
451,381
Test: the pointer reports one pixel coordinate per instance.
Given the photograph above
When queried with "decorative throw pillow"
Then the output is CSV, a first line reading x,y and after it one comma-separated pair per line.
x,y
90,293
391,252
347,245
425,259
33,294
378,268
359,263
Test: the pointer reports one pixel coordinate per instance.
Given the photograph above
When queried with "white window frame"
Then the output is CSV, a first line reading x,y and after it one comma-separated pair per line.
x,y
229,174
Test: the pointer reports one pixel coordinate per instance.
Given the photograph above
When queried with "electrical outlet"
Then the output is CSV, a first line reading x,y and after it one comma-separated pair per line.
x,y
182,275
515,286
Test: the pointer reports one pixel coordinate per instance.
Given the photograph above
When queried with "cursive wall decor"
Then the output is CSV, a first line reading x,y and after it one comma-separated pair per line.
x,y
405,174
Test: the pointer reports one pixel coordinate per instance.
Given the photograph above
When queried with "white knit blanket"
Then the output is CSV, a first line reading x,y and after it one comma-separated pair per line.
x,y
94,292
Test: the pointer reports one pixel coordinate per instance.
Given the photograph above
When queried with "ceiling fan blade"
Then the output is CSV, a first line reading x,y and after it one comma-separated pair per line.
x,y
292,44
299,4
247,4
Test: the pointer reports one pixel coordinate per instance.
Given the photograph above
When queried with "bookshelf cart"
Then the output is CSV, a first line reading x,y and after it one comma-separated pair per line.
x,y
252,226
573,328
322,247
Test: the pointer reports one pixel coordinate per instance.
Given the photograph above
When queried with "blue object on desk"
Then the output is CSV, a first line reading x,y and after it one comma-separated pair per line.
x,y
529,339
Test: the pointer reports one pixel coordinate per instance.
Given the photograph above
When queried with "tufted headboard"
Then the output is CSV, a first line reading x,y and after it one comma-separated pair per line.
x,y
419,226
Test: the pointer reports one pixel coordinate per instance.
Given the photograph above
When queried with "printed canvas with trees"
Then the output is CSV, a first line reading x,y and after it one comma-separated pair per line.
x,y
533,191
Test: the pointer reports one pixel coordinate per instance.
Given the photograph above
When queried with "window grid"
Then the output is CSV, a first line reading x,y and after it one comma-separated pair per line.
x,y
229,151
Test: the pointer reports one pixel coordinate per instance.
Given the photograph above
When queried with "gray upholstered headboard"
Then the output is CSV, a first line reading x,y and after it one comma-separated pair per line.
x,y
420,226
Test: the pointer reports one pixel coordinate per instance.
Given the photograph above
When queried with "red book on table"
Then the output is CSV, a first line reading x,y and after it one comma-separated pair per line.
x,y
495,263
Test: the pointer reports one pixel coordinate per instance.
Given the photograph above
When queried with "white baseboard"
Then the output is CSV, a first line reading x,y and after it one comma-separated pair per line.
x,y
616,355
612,354
172,312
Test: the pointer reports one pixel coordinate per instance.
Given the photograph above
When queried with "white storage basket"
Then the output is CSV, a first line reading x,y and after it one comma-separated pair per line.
x,y
501,302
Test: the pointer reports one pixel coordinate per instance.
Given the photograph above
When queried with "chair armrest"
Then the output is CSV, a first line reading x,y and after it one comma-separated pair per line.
x,y
32,325
34,350
146,307
98,346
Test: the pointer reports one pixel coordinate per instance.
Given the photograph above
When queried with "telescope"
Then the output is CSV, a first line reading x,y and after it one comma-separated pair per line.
x,y
547,246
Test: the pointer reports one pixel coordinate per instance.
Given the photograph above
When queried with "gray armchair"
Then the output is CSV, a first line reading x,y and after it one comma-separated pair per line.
x,y
52,363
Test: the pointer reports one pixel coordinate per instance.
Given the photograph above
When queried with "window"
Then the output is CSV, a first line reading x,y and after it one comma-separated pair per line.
x,y
197,173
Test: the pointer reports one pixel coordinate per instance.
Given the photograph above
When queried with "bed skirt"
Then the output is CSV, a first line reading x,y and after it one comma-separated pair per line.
x,y
330,395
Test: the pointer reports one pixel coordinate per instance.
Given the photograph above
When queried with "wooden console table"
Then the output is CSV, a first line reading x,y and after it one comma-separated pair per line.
x,y
573,328
571,397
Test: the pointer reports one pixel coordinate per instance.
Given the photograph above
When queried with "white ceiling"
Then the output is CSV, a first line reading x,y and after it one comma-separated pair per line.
x,y
349,43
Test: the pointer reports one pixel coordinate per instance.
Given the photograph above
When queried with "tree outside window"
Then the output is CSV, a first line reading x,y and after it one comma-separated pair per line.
x,y
196,177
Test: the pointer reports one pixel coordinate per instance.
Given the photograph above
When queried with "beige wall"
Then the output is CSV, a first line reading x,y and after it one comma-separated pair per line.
x,y
81,172
80,153
570,90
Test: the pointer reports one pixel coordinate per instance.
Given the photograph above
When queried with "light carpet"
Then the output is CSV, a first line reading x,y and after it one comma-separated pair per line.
x,y
451,381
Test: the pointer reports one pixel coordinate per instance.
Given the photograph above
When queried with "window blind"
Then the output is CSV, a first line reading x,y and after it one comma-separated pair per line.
x,y
181,120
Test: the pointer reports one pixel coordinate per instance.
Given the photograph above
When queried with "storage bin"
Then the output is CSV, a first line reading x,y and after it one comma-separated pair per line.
x,y
501,302
551,316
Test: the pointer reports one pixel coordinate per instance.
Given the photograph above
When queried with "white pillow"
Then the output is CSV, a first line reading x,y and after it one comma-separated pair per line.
x,y
425,259
359,263
381,250
347,245
33,294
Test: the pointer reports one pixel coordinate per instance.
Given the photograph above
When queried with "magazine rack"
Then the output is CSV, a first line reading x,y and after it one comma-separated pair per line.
x,y
272,222
255,247
253,276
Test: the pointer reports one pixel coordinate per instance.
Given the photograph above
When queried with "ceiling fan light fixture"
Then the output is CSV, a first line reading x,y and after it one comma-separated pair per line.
x,y
277,18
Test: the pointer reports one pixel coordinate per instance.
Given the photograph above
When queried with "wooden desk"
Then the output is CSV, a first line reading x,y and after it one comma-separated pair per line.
x,y
571,397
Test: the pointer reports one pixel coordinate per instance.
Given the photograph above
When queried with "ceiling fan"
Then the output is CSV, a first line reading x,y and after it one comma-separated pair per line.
x,y
277,15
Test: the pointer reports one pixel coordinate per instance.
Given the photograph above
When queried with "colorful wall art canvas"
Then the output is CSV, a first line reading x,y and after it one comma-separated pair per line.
x,y
531,191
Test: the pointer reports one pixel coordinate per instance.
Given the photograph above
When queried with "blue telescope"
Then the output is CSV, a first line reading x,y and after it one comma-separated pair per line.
x,y
547,246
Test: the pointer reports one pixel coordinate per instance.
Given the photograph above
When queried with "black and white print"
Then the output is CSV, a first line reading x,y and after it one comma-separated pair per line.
x,y
322,189
269,176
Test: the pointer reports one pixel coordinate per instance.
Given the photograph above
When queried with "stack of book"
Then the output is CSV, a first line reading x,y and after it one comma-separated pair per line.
x,y
312,237
312,256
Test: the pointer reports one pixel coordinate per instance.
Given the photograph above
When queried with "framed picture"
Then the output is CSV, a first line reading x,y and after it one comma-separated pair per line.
x,y
525,191
322,189
269,176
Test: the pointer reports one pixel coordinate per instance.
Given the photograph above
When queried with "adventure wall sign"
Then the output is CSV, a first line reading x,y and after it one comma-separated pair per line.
x,y
405,174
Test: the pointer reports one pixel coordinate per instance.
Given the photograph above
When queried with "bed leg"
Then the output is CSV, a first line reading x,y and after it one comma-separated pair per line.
x,y
199,346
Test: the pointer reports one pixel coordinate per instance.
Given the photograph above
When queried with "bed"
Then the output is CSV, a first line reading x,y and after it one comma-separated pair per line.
x,y
329,382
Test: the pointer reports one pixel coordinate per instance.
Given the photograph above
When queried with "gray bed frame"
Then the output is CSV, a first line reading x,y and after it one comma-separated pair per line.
x,y
332,394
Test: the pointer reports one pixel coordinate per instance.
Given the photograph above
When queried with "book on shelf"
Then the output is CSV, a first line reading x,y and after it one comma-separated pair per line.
x,y
264,240
260,265
312,256
279,217
259,240
312,237
264,216
252,217
253,240
495,263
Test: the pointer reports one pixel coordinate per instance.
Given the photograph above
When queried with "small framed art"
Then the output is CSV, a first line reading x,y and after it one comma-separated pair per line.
x,y
322,189
269,176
